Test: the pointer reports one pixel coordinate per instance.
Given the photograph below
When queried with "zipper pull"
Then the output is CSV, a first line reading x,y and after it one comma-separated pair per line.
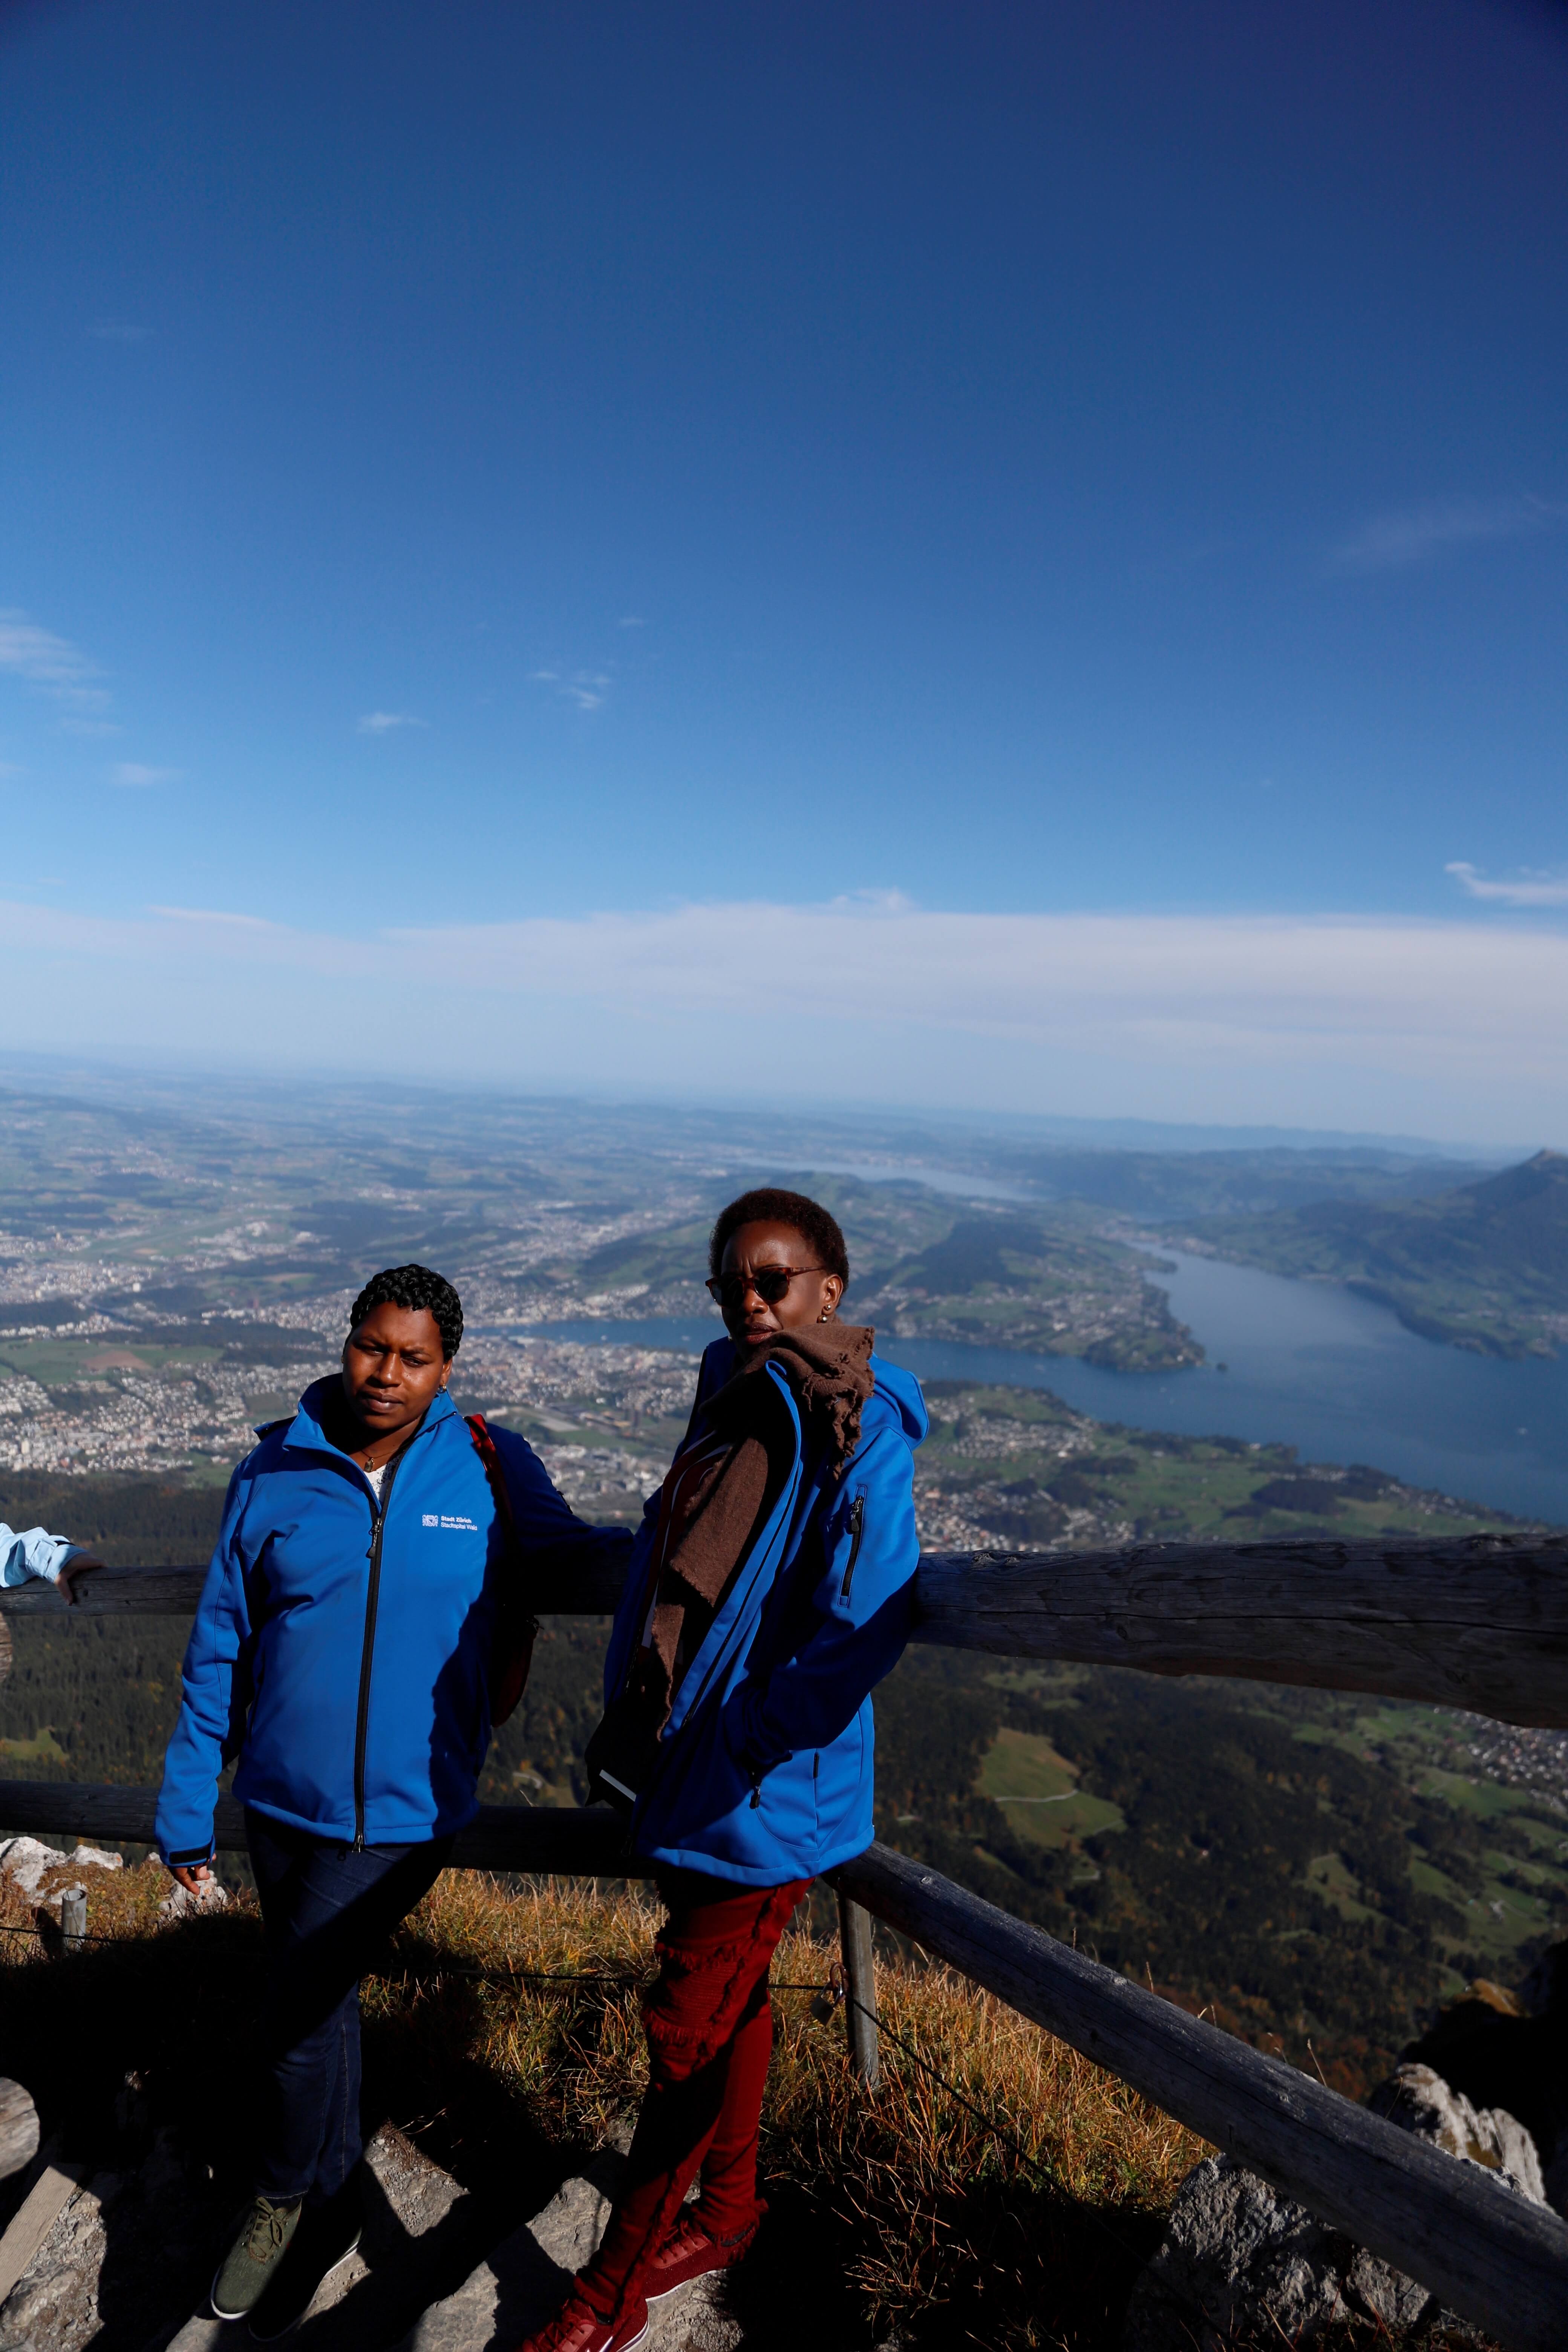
x,y
757,1791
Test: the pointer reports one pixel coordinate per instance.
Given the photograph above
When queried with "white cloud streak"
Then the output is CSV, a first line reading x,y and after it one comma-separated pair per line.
x,y
1191,1001
44,660
131,771
382,722
584,688
1529,889
1390,541
212,915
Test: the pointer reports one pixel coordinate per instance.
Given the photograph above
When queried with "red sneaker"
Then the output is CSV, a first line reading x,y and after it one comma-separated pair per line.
x,y
577,2327
690,2252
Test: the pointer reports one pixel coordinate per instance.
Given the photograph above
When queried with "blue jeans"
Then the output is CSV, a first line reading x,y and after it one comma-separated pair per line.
x,y
326,1910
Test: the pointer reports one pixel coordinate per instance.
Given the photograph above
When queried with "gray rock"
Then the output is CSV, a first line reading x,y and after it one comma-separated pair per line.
x,y
181,1902
1240,2265
1234,2254
54,2305
1417,2098
528,2276
55,2301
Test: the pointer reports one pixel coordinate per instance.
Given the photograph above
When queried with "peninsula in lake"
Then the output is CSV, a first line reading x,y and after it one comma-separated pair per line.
x,y
1483,1265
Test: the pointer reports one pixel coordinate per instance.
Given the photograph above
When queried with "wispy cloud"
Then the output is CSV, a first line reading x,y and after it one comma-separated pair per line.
x,y
1462,1024
631,620
44,660
1417,533
9,770
584,688
212,915
131,771
118,331
1533,888
382,722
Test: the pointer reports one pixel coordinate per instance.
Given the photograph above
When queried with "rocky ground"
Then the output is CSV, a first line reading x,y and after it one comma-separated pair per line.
x,y
125,2265
1241,2266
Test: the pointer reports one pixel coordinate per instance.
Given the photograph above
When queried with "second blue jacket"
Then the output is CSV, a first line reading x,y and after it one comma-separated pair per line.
x,y
341,1648
765,1767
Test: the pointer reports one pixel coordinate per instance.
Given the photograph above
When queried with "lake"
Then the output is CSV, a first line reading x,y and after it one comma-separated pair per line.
x,y
1309,1364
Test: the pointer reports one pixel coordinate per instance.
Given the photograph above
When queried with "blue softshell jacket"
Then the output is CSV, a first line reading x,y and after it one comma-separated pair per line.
x,y
341,1648
765,1768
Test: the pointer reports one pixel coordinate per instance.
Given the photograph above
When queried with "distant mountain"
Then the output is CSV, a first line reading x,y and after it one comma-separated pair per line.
x,y
1484,1265
1162,1184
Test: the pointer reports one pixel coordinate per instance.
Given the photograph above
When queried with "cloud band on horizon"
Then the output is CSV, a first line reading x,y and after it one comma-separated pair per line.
x,y
1335,1019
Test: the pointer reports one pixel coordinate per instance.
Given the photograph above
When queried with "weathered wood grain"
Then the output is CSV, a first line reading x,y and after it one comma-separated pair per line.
x,y
1488,2252
1478,1622
859,1992
42,2207
111,1592
18,2127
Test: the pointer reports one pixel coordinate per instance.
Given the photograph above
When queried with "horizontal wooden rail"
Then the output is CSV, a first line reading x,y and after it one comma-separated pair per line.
x,y
542,1840
1488,2252
1478,1622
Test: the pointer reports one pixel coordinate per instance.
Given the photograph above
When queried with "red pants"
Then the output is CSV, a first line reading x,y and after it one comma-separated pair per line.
x,y
710,2037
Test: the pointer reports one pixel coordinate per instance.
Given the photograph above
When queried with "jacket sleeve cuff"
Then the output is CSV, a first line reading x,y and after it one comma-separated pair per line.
x,y
190,1859
36,1553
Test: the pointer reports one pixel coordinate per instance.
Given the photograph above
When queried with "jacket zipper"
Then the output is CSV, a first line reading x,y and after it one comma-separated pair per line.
x,y
857,1529
371,1601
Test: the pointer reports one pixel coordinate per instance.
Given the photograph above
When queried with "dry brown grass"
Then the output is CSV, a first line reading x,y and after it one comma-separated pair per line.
x,y
906,2210
1016,2218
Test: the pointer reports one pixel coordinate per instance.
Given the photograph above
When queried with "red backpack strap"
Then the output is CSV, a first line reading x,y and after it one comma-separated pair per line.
x,y
516,1627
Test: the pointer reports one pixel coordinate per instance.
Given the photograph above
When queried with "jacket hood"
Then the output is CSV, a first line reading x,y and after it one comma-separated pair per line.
x,y
899,1393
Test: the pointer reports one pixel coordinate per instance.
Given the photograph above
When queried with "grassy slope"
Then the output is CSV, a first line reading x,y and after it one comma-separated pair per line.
x,y
911,2210
1484,1267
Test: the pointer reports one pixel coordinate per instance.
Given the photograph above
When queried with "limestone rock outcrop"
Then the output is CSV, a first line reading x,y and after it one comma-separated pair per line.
x,y
1240,2265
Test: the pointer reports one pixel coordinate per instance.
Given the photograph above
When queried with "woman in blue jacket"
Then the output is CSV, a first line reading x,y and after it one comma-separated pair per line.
x,y
343,1649
769,1591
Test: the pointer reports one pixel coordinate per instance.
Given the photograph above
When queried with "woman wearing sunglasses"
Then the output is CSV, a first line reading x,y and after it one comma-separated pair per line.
x,y
769,1591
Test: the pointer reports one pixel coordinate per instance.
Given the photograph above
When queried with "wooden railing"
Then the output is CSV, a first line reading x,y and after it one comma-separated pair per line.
x,y
1481,1623
1478,1622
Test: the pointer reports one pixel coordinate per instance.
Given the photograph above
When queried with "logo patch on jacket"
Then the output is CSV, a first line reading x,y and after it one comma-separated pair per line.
x,y
458,1519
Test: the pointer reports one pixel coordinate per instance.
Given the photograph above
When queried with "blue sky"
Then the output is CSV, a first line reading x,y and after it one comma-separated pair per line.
x,y
1010,556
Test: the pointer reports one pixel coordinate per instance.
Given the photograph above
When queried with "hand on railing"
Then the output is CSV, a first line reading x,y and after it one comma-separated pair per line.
x,y
82,1564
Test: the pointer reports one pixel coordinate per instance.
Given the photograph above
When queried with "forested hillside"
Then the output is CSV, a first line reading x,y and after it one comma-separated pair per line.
x,y
1482,1266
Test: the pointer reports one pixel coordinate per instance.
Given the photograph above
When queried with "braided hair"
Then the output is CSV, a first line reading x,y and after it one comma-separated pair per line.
x,y
769,1206
413,1287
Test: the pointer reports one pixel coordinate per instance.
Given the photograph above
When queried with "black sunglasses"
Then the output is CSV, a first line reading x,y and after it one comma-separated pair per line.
x,y
769,1282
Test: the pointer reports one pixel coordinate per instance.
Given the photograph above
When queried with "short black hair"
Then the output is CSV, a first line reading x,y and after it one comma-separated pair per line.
x,y
810,1219
412,1287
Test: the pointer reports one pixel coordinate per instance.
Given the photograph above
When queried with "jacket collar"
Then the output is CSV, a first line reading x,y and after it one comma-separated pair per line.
x,y
308,1430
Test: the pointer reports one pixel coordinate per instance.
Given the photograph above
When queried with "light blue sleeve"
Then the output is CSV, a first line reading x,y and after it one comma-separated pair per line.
x,y
33,1551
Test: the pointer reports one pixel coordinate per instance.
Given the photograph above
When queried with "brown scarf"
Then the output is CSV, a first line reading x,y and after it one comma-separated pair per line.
x,y
721,1486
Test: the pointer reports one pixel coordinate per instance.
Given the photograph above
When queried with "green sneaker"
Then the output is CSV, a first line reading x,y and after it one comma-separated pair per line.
x,y
252,2260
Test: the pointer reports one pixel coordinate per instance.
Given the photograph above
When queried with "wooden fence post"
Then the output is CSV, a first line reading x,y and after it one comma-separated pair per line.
x,y
859,1992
